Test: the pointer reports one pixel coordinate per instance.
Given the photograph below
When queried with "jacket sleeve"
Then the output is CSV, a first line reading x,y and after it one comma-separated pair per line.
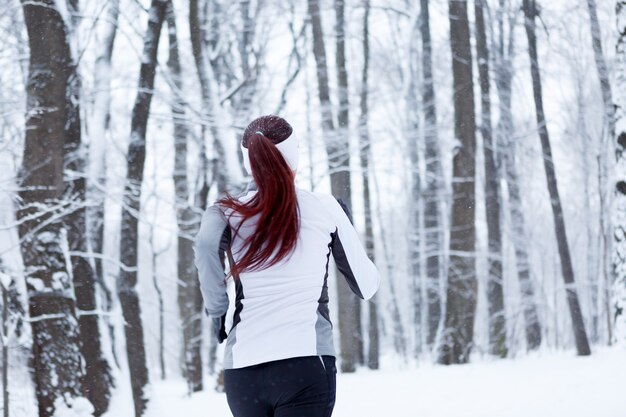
x,y
350,256
210,243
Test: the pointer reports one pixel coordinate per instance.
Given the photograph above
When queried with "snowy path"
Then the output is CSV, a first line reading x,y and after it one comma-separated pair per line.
x,y
550,385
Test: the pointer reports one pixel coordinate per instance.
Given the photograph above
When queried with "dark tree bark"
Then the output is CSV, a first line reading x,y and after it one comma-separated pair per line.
x,y
189,296
57,359
432,195
495,293
582,344
505,131
131,209
337,150
364,145
458,331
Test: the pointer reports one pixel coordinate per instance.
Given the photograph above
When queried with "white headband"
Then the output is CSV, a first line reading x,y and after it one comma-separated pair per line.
x,y
288,148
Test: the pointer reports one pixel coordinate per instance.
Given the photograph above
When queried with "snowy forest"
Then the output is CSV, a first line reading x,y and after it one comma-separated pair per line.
x,y
478,146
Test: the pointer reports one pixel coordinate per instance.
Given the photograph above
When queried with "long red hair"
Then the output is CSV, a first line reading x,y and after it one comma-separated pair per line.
x,y
274,205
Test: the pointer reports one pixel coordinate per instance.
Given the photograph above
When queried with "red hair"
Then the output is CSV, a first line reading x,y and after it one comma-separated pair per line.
x,y
275,204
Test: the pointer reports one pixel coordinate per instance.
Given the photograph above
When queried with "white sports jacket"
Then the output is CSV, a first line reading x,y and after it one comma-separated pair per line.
x,y
282,312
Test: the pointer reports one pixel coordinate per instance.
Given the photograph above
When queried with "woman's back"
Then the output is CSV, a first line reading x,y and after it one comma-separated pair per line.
x,y
282,311
279,358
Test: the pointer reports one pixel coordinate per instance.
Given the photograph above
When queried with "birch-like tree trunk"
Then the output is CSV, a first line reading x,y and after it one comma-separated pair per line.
x,y
504,54
189,296
415,195
458,333
582,344
364,145
224,169
131,210
98,128
495,293
57,361
242,101
609,133
433,192
337,150
619,255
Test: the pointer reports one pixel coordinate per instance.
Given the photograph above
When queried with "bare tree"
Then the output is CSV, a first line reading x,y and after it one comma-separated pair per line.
x,y
609,134
127,278
432,194
343,136
250,58
225,173
415,199
458,330
98,127
337,150
57,360
98,380
582,344
504,53
495,293
364,154
189,296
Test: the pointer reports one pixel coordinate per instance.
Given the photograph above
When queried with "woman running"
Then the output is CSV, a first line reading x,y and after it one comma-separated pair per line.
x,y
279,357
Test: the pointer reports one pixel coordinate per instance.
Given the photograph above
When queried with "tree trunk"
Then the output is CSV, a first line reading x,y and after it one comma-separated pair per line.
x,y
337,150
98,380
131,209
223,169
619,254
364,145
495,293
432,195
242,101
609,134
57,359
160,303
98,128
415,198
4,288
582,345
458,332
601,66
343,136
504,77
189,296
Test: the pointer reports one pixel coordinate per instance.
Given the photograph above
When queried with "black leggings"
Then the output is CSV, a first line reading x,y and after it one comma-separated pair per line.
x,y
295,387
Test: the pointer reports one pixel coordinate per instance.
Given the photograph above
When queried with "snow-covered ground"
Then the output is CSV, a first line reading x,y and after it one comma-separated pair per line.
x,y
542,385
